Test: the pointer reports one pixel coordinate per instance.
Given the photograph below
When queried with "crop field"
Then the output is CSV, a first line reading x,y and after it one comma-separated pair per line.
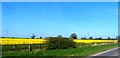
x,y
22,41
14,46
42,41
95,41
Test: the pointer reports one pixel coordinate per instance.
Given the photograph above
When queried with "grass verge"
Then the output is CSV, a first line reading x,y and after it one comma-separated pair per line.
x,y
80,51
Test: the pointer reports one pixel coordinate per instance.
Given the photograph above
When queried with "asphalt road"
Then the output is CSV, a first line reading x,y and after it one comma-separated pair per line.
x,y
113,53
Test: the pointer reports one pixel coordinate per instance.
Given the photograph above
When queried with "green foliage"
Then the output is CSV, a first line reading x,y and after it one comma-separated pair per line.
x,y
40,37
118,38
33,36
100,38
79,51
91,38
108,38
83,38
22,47
73,36
59,36
60,43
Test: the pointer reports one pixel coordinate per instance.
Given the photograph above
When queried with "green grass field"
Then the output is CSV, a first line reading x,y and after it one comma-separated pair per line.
x,y
79,51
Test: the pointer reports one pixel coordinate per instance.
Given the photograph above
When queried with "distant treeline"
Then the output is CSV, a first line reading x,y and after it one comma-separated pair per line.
x,y
72,36
83,38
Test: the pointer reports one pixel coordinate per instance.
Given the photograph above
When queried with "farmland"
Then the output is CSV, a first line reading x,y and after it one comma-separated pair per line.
x,y
42,41
58,29
80,51
21,41
84,47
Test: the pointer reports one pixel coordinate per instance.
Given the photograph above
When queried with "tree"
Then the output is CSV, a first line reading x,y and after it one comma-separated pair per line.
x,y
118,38
59,36
83,38
91,37
108,38
100,38
73,36
40,37
33,36
30,48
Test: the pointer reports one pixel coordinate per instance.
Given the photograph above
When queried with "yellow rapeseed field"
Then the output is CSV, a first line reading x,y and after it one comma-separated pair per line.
x,y
21,41
95,41
10,41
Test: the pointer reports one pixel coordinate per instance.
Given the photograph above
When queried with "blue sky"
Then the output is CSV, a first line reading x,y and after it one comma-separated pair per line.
x,y
60,0
22,19
0,18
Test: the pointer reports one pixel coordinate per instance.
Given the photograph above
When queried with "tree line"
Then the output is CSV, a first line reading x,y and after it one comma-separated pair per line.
x,y
72,36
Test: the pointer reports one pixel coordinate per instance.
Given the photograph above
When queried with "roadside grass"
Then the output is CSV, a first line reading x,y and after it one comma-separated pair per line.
x,y
79,51
20,47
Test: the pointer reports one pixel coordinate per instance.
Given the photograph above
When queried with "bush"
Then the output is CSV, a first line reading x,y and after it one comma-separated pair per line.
x,y
118,41
60,43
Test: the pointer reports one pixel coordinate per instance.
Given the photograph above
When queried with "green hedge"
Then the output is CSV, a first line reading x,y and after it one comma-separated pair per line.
x,y
60,43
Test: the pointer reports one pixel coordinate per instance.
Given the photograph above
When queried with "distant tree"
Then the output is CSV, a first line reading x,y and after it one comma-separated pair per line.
x,y
100,38
73,36
59,36
3,37
11,37
118,38
112,38
29,46
91,37
33,36
40,37
83,38
108,38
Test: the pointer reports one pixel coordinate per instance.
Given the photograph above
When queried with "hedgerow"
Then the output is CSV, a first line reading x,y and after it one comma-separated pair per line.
x,y
60,43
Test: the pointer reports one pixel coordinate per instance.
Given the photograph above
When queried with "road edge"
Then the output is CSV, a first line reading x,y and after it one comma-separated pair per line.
x,y
104,51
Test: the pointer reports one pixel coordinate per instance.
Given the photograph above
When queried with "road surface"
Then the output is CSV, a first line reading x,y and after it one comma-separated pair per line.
x,y
113,53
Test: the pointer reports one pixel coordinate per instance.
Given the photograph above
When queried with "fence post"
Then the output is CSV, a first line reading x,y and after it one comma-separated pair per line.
x,y
40,46
14,47
30,48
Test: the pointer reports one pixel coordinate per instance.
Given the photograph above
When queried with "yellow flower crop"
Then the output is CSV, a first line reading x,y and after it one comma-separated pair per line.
x,y
21,41
95,41
10,41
